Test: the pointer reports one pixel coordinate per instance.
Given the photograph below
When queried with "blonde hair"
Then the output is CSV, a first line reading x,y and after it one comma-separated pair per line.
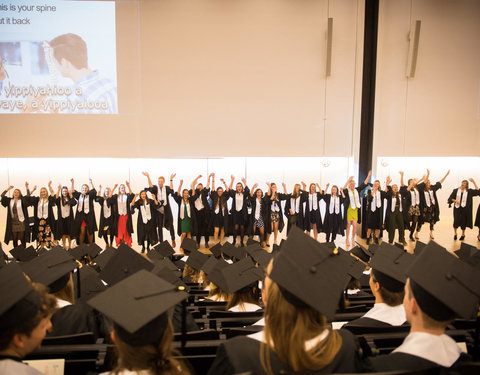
x,y
288,327
194,275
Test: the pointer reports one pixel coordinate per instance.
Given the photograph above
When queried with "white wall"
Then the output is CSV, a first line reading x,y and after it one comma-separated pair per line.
x,y
436,113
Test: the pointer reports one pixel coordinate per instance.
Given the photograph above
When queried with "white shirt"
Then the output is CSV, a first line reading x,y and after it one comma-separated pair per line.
x,y
440,349
393,315
182,209
42,208
162,195
83,204
295,204
65,209
257,209
275,206
312,202
61,303
415,197
146,214
238,201
199,203
122,204
245,307
107,211
9,366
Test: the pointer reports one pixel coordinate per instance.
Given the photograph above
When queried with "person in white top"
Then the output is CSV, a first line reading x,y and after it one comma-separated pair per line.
x,y
18,223
413,204
219,218
439,289
461,198
85,222
146,228
239,210
122,221
294,206
65,202
44,219
333,213
275,222
313,218
106,215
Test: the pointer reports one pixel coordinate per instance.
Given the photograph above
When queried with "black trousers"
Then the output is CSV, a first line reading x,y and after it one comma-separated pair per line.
x,y
160,218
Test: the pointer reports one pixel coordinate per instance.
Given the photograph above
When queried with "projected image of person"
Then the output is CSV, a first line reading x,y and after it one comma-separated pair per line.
x,y
98,94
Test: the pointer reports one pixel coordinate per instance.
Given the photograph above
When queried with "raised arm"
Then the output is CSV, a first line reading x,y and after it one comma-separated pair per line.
x,y
444,177
147,175
225,184
134,200
304,186
284,188
194,184
253,190
231,182
473,182
179,188
213,181
367,179
401,179
319,188
73,184
50,188
387,183
58,191
326,188
129,187
210,176
269,189
91,184
347,183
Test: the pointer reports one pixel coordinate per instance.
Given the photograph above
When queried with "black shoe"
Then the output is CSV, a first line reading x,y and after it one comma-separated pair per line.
x,y
462,238
376,241
455,237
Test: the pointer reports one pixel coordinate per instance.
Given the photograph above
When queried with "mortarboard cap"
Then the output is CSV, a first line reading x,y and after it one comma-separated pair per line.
x,y
138,306
228,250
41,251
262,257
361,253
465,251
188,245
164,249
399,245
180,264
124,262
444,286
389,265
167,263
419,247
168,275
51,269
105,256
90,283
211,263
196,259
240,275
251,241
355,267
23,254
13,286
304,268
216,250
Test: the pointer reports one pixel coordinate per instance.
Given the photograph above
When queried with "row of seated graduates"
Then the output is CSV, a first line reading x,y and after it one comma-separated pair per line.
x,y
205,318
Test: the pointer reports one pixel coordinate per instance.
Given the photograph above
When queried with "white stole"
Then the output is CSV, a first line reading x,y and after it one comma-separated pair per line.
x,y
257,209
65,209
238,201
313,202
354,199
334,205
429,198
162,195
21,218
122,204
415,195
295,204
376,201
83,201
463,203
107,211
146,214
394,202
182,209
42,209
199,203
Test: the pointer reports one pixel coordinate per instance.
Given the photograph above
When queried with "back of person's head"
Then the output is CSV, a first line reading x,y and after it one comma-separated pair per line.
x,y
70,47
288,327
192,273
391,291
249,294
26,315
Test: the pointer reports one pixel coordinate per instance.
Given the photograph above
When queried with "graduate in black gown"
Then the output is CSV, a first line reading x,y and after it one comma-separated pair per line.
x,y
219,218
413,204
44,222
352,207
294,207
106,224
201,208
374,211
85,222
146,219
297,336
439,288
387,282
333,213
313,218
18,221
187,220
462,200
122,214
275,223
477,220
65,218
258,216
396,213
238,212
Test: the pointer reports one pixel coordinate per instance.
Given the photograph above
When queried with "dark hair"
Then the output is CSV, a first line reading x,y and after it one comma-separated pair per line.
x,y
72,48
26,315
391,298
249,294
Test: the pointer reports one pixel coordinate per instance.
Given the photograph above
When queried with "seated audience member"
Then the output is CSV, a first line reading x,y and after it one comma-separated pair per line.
x,y
297,336
387,283
25,311
439,288
142,333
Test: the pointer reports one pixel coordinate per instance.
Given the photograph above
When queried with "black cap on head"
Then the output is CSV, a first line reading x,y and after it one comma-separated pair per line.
x,y
104,257
13,286
448,281
196,259
419,247
389,264
51,269
212,263
361,253
228,250
90,283
164,249
23,254
180,264
240,275
304,267
167,263
124,262
188,245
466,251
216,250
138,305
262,257
355,267
42,251
251,241
168,275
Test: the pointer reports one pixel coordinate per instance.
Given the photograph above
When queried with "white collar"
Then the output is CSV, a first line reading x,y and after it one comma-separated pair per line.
x,y
309,344
440,349
393,315
245,307
261,322
61,303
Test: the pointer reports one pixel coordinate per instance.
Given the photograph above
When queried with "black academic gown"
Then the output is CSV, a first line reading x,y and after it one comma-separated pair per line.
x,y
50,219
300,216
242,354
81,216
423,202
8,230
477,218
105,222
65,227
114,203
467,210
244,212
359,189
374,219
202,226
263,213
167,213
334,223
193,216
368,322
268,207
147,230
403,361
318,216
227,227
404,199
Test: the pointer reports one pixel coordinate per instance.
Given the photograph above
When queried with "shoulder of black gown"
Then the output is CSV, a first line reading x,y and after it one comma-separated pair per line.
x,y
399,361
221,365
